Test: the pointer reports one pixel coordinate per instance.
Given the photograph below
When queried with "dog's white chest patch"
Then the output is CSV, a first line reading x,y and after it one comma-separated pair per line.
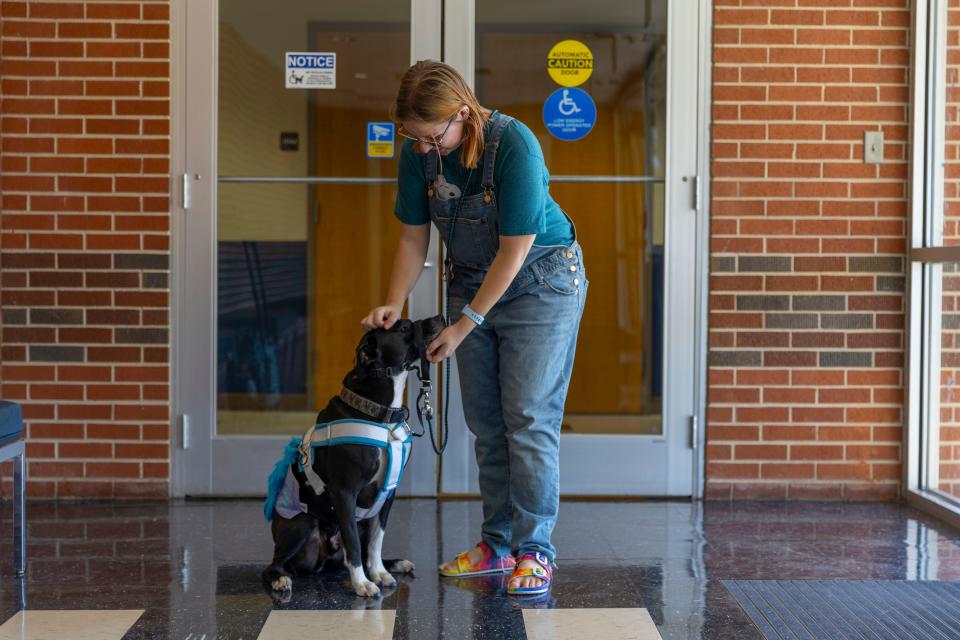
x,y
399,384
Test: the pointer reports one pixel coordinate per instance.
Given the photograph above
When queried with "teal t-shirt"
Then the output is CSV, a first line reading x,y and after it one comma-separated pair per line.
x,y
521,182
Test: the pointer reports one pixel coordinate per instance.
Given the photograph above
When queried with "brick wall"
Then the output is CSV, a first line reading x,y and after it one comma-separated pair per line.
x,y
807,250
85,242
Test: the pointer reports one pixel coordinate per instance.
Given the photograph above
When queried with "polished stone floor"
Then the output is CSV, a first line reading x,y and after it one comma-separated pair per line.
x,y
190,570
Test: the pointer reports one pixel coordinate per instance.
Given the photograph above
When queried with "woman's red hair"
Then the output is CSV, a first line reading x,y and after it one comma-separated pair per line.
x,y
432,92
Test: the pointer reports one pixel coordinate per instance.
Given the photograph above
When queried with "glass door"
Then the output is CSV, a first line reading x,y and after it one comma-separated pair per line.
x,y
288,233
284,231
593,81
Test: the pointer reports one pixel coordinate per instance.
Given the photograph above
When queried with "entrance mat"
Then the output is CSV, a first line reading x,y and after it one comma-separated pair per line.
x,y
851,609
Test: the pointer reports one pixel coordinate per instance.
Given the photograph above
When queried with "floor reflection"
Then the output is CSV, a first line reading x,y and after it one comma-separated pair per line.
x,y
194,567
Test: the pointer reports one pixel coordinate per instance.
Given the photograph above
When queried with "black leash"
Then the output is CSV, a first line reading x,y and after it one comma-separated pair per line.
x,y
447,277
424,403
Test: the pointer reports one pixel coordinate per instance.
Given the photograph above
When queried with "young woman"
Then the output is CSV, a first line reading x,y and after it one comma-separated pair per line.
x,y
516,290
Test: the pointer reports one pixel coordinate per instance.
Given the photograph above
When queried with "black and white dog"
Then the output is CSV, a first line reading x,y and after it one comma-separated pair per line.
x,y
325,503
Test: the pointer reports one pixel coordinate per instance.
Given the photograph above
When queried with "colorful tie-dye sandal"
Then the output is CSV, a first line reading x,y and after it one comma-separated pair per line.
x,y
461,567
543,572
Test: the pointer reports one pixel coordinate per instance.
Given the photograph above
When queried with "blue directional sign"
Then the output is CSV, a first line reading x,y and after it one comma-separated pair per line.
x,y
569,113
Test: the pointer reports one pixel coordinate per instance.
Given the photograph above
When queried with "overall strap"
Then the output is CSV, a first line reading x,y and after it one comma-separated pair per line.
x,y
430,168
491,144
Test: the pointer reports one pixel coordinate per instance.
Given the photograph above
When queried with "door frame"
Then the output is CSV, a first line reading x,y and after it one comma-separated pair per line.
x,y
670,464
196,449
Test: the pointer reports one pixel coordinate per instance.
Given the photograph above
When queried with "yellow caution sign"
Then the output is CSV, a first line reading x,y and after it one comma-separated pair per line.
x,y
570,63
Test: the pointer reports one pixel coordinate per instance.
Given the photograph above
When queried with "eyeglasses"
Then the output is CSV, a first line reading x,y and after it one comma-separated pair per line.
x,y
433,141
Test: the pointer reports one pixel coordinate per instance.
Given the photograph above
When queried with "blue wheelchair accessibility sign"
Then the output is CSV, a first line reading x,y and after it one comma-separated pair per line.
x,y
569,113
380,137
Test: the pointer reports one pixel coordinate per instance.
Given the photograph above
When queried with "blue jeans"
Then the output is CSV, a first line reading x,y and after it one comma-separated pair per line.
x,y
514,374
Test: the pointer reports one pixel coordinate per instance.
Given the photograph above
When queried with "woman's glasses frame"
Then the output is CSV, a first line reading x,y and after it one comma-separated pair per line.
x,y
435,141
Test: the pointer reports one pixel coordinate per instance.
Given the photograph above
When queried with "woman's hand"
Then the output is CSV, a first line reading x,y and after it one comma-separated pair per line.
x,y
383,316
449,339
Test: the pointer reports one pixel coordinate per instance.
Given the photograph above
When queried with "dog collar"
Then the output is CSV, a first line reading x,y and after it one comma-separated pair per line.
x,y
373,409
385,372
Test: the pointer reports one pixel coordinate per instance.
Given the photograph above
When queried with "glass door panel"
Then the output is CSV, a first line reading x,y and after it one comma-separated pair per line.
x,y
283,225
263,307
610,182
305,222
358,234
630,414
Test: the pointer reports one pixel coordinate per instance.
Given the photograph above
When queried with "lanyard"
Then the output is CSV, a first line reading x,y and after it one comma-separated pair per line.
x,y
448,263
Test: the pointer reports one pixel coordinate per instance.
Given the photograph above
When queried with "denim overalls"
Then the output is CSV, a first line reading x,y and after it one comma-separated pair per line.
x,y
514,368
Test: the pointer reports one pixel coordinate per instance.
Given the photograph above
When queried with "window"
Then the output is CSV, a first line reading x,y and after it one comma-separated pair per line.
x,y
932,451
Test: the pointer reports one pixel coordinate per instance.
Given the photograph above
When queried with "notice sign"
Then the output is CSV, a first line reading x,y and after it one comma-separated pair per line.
x,y
311,70
380,139
570,63
569,114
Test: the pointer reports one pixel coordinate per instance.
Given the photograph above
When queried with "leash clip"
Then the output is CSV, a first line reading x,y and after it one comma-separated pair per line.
x,y
424,401
424,405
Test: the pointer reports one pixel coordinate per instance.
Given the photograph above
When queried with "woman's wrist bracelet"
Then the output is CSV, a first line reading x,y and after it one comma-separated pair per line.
x,y
473,315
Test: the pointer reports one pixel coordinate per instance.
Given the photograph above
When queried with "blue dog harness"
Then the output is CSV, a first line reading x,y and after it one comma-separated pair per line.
x,y
393,440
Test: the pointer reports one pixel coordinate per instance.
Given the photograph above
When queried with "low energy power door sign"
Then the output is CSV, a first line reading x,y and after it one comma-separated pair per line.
x,y
569,114
380,137
305,70
570,63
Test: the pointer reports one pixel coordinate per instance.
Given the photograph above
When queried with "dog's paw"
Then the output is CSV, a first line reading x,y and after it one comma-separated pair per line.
x,y
386,580
283,583
402,566
365,588
282,590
